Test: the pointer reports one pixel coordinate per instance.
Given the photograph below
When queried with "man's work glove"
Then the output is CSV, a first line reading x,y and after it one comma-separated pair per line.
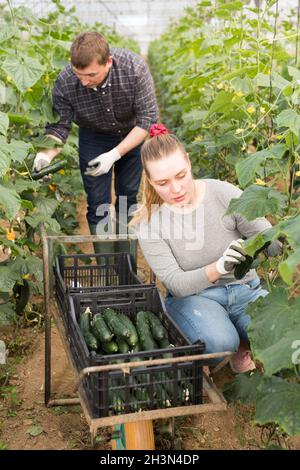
x,y
103,163
44,158
232,256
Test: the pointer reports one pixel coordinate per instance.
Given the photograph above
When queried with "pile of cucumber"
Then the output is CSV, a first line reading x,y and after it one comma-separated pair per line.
x,y
114,333
110,332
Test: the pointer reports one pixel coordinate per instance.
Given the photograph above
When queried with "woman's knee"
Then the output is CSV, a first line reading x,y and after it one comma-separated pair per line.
x,y
221,341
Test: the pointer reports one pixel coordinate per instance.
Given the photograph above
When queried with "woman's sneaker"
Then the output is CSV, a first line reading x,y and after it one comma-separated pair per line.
x,y
241,361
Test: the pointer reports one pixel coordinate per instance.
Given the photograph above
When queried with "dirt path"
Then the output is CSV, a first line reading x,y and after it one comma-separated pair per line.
x,y
22,411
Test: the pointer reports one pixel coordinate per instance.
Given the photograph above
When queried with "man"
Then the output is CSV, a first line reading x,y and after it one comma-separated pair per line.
x,y
110,95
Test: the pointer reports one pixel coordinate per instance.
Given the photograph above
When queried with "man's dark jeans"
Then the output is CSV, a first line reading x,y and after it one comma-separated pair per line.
x,y
127,171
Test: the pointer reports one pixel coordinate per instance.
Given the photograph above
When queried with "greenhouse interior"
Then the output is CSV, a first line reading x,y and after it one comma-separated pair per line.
x,y
150,221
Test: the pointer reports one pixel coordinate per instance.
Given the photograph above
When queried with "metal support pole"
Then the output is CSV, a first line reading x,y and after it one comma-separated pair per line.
x,y
46,267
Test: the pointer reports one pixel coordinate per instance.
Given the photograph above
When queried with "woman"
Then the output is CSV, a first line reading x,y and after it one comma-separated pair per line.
x,y
193,248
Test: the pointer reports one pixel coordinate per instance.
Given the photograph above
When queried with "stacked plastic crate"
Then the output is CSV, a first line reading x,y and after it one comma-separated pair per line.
x,y
101,281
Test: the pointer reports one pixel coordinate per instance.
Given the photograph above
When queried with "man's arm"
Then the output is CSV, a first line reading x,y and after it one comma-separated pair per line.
x,y
135,137
145,105
63,108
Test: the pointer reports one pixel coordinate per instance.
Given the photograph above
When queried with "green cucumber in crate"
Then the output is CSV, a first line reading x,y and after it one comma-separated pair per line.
x,y
100,329
115,324
84,321
132,340
110,347
123,347
117,401
157,329
91,341
84,324
144,332
162,395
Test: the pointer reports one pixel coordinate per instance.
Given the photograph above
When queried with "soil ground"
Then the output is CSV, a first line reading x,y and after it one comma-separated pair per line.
x,y
25,423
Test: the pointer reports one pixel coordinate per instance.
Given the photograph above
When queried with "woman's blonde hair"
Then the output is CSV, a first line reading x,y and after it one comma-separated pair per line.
x,y
157,147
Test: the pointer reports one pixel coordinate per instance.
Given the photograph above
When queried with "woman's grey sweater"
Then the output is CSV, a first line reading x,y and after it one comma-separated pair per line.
x,y
178,246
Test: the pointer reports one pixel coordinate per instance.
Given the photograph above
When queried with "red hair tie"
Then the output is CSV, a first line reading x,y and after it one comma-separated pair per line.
x,y
158,129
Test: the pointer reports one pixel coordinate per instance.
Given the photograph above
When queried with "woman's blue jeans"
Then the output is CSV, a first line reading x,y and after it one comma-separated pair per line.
x,y
217,315
127,171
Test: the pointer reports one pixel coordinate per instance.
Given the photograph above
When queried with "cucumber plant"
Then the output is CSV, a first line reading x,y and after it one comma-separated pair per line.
x,y
33,51
228,82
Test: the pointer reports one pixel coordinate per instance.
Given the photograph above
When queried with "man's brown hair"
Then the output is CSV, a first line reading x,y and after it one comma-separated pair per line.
x,y
89,46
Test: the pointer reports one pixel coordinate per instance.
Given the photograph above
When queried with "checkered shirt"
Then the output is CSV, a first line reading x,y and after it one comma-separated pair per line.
x,y
126,99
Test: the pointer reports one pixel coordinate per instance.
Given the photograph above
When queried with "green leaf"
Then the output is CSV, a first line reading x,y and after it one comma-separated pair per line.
x,y
35,430
26,185
5,161
222,103
289,228
291,119
294,73
19,150
4,123
272,318
20,119
43,141
25,71
8,278
7,32
232,6
281,354
7,314
52,227
194,118
10,201
25,204
30,265
243,388
278,81
278,402
289,266
246,169
242,84
257,201
46,206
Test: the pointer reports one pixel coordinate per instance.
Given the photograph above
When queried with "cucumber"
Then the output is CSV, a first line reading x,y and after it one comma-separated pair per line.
x,y
110,347
164,344
241,269
142,399
133,339
91,341
84,321
157,329
53,168
162,396
115,324
123,347
136,348
21,294
147,343
117,402
100,329
84,324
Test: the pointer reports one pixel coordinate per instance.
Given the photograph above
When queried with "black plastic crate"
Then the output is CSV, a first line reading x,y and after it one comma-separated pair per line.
x,y
90,273
145,388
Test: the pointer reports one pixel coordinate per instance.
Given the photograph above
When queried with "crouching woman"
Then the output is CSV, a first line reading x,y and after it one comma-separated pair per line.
x,y
193,247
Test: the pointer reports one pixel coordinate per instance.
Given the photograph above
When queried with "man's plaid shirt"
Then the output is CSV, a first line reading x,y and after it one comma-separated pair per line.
x,y
127,99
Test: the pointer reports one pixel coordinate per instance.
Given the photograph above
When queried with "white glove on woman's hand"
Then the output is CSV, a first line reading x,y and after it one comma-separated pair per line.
x,y
103,163
232,256
42,160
